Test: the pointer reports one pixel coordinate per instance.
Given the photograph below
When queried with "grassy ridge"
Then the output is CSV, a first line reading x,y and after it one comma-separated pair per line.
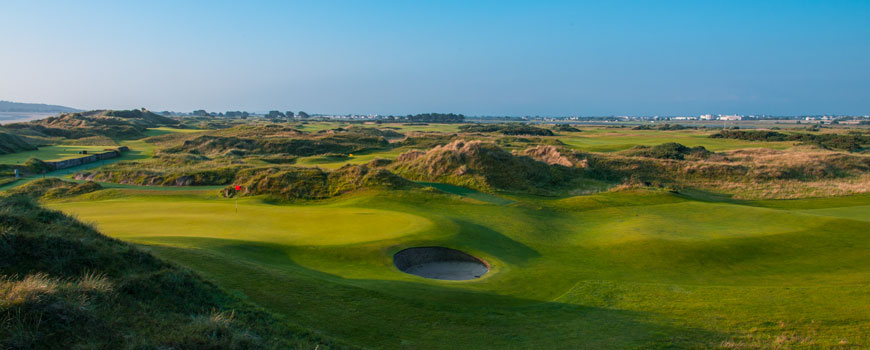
x,y
112,124
11,143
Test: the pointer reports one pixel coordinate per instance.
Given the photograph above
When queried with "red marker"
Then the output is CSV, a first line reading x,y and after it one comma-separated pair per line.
x,y
238,188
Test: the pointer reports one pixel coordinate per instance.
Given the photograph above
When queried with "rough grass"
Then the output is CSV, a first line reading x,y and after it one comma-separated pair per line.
x,y
750,173
313,183
485,166
11,143
273,139
54,188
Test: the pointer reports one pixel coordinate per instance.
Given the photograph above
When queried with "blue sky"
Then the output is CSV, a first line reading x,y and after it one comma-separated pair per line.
x,y
472,57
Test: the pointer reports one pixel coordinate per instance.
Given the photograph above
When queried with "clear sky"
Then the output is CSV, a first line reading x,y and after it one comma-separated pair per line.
x,y
472,57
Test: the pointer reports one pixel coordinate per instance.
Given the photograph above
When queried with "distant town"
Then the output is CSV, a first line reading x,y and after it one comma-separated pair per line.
x,y
437,117
18,112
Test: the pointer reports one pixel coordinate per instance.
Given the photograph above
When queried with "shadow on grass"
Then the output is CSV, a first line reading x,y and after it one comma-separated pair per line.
x,y
466,192
487,240
396,313
709,197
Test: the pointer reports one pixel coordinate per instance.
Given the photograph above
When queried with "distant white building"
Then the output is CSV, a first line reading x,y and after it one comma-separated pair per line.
x,y
731,117
707,117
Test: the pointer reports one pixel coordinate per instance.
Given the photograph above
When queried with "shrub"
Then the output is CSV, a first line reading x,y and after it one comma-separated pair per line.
x,y
507,129
670,150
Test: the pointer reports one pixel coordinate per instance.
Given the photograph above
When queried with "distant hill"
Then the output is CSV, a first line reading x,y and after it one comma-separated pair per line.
x,y
123,124
18,107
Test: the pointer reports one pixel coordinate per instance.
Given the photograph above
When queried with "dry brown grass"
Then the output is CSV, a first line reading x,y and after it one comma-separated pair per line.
x,y
15,291
792,189
95,282
800,172
548,154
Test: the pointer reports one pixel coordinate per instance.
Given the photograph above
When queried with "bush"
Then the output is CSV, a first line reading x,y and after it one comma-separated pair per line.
x,y
566,128
670,150
507,129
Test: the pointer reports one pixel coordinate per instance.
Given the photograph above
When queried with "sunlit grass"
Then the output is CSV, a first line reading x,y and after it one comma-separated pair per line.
x,y
625,269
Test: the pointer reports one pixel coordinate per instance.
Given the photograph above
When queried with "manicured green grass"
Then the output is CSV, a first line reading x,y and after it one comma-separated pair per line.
x,y
51,153
613,270
468,193
326,162
251,220
167,130
138,150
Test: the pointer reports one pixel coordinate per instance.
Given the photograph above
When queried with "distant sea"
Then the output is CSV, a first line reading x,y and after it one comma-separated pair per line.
x,y
15,117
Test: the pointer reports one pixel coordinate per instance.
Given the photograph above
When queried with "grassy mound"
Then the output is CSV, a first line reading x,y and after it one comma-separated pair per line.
x,y
52,188
31,166
302,147
11,143
566,128
361,130
125,124
483,166
670,150
64,285
133,175
314,183
751,173
507,129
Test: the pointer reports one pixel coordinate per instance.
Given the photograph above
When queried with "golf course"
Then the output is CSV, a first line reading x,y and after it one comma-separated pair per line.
x,y
624,269
322,234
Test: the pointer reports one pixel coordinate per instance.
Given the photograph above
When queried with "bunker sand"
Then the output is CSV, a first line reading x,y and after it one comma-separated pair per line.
x,y
440,263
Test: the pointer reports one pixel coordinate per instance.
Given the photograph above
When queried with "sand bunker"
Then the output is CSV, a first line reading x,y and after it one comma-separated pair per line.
x,y
440,263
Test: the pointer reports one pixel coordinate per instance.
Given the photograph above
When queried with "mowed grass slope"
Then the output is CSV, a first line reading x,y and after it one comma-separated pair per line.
x,y
615,270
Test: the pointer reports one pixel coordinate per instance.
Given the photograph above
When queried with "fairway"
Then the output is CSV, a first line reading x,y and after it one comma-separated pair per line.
x,y
624,269
51,153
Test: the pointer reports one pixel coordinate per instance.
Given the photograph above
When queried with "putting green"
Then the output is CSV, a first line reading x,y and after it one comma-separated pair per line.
x,y
256,222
